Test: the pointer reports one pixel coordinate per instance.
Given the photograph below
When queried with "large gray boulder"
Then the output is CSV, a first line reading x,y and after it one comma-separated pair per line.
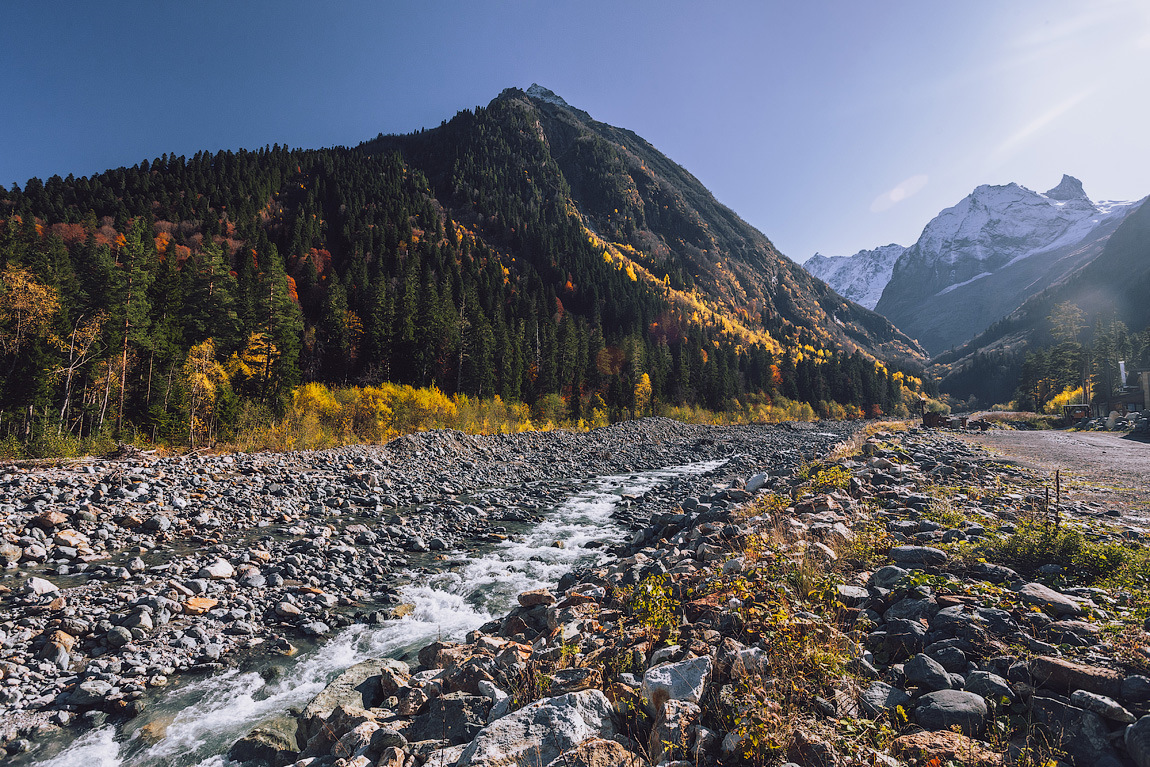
x,y
988,685
455,717
538,733
685,680
881,698
918,556
357,689
1080,733
1047,598
944,709
926,673
1137,740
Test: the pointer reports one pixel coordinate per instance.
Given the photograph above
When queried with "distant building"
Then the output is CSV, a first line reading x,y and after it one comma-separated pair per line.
x,y
1128,399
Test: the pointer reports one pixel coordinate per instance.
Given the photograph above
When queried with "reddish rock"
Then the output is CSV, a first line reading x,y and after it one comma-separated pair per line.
x,y
1064,675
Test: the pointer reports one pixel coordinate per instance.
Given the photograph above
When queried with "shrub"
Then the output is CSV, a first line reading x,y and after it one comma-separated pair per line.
x,y
1034,544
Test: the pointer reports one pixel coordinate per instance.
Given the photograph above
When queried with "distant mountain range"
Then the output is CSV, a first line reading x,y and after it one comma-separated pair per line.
x,y
977,261
1113,285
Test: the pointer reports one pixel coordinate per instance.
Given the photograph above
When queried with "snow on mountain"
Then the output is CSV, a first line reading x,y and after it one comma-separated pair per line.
x,y
995,224
860,277
546,94
987,251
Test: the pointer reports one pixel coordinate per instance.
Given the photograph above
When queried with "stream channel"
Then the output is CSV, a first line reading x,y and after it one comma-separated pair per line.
x,y
195,723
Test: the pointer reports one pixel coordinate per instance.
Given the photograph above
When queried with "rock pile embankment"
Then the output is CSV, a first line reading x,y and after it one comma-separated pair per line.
x,y
870,615
119,575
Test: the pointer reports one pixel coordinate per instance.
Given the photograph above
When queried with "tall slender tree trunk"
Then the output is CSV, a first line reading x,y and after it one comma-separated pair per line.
x,y
107,396
67,385
124,357
151,362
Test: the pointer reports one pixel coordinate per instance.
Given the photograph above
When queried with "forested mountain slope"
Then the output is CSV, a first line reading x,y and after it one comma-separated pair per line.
x,y
520,250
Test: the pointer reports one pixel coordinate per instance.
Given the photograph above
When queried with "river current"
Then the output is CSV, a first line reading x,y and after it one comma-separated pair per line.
x,y
196,723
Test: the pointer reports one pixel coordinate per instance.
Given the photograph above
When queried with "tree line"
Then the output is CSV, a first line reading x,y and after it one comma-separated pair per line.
x,y
174,299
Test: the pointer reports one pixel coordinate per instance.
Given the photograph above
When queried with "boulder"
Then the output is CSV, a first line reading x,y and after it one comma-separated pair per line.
x,y
988,685
1049,599
536,597
38,587
355,740
538,733
221,569
757,482
269,743
925,672
1067,676
1136,689
673,731
1137,740
455,717
198,605
598,752
944,747
945,709
886,577
1107,708
918,556
881,698
1080,733
685,680
355,690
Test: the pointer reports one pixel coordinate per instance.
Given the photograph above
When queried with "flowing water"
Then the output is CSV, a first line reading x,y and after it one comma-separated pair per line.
x,y
197,722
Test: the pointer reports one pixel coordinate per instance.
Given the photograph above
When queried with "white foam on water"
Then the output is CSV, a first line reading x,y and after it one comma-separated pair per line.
x,y
213,713
97,748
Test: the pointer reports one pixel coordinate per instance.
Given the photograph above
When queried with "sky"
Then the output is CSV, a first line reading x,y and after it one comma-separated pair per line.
x,y
829,126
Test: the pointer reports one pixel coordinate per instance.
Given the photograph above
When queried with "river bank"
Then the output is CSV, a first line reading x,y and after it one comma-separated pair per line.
x,y
124,579
918,602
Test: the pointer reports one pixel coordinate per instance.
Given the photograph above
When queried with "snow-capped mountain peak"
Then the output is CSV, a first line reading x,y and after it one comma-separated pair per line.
x,y
986,253
546,94
860,277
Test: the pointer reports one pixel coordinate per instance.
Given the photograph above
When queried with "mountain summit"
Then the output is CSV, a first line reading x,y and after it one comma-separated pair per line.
x,y
537,91
977,261
860,277
1069,188
652,219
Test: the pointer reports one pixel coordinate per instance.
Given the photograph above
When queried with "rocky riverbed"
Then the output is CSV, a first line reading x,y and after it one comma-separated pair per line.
x,y
124,578
919,602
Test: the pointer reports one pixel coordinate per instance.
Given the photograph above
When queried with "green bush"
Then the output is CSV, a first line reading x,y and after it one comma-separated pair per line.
x,y
1034,544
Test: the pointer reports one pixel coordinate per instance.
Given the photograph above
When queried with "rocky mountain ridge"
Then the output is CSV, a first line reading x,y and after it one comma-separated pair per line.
x,y
977,261
861,277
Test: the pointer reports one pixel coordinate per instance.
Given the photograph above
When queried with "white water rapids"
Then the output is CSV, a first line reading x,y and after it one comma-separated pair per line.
x,y
205,717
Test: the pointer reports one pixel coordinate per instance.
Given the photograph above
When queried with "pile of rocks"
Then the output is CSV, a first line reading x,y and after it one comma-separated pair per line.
x,y
951,658
119,574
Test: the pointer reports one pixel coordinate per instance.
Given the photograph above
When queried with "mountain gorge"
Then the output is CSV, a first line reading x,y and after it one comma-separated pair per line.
x,y
520,249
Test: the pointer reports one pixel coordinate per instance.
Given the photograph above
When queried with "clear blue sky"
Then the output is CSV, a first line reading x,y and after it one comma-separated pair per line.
x,y
830,126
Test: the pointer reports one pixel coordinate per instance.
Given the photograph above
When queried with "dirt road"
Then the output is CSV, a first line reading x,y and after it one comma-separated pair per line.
x,y
1103,467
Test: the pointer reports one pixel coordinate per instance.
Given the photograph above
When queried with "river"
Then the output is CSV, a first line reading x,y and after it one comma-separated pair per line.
x,y
195,723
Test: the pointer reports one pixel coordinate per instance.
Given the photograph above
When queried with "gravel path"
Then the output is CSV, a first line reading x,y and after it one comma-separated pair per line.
x,y
1101,467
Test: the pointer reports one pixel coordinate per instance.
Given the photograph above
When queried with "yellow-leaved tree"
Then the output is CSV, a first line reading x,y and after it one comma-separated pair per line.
x,y
642,395
203,377
250,369
27,307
